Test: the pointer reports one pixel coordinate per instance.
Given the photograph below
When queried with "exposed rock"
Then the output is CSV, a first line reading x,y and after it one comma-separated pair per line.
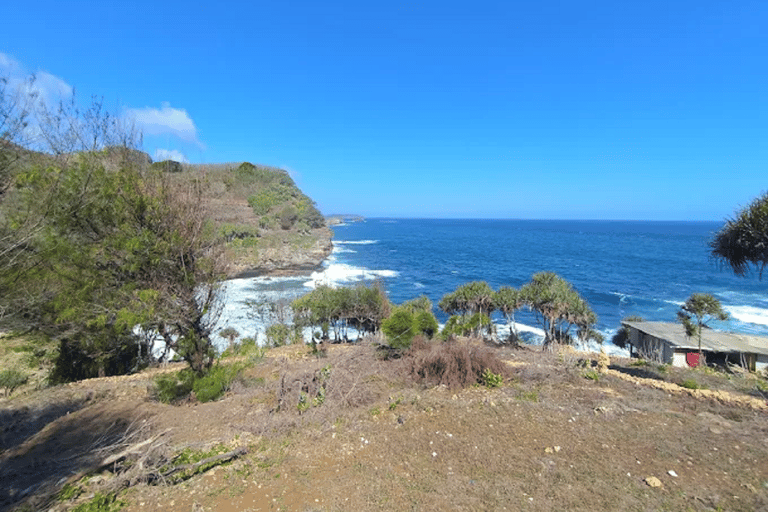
x,y
652,481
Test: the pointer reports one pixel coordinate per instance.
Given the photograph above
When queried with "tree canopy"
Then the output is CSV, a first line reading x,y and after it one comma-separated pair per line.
x,y
743,241
558,308
97,249
697,311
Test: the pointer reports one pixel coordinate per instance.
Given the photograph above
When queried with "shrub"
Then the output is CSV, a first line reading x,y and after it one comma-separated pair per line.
x,y
399,329
278,335
592,375
215,383
170,387
691,384
11,379
492,380
454,364
426,323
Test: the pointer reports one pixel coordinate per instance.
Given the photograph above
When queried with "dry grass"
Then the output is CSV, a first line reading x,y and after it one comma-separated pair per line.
x,y
548,439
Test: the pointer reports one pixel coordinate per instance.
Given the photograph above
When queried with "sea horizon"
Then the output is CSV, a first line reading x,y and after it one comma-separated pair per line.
x,y
621,268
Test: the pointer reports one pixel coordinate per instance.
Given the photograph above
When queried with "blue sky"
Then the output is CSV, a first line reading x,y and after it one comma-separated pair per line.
x,y
548,110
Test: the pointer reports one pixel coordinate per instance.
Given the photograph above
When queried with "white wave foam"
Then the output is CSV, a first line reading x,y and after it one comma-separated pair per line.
x,y
337,249
418,285
355,242
338,274
748,314
502,330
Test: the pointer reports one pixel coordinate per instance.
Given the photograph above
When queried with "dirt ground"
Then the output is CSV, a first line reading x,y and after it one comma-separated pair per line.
x,y
555,436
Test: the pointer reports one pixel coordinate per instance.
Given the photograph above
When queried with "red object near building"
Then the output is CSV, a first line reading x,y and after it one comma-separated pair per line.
x,y
692,358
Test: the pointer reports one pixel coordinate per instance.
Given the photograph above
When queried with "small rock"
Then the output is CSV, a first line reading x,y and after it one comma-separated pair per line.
x,y
672,473
653,481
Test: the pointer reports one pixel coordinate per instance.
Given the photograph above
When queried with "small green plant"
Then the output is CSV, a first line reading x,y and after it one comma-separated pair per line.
x,y
492,380
320,398
529,396
640,363
69,492
375,411
592,375
100,503
393,403
691,384
304,403
11,379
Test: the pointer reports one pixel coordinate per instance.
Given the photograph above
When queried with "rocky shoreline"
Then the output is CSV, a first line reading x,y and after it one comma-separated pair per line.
x,y
287,259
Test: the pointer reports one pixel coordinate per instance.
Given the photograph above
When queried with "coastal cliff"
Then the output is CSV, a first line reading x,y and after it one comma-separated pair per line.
x,y
283,255
268,225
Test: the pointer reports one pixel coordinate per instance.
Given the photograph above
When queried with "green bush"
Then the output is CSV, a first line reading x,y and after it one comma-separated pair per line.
x,y
11,379
492,380
400,328
170,387
691,384
426,323
278,335
216,382
592,375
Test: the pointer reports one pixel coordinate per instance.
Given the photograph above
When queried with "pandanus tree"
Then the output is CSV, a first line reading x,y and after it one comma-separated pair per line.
x,y
507,301
558,308
473,302
743,241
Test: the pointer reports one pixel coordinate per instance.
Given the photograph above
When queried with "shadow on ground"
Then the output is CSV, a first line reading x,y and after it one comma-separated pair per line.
x,y
42,449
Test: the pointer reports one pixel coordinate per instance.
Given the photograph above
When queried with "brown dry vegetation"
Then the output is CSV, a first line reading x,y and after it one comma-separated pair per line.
x,y
548,439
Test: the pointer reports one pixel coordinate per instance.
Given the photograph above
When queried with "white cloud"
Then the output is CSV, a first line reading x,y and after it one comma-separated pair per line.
x,y
42,87
170,154
9,65
165,120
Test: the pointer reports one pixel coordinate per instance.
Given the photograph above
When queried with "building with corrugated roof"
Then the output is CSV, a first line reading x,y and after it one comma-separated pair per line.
x,y
667,342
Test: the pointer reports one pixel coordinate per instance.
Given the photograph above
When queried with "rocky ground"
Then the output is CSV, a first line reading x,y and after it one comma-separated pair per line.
x,y
557,435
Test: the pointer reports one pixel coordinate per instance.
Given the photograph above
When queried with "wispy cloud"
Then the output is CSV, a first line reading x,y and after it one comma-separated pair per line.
x,y
165,120
40,88
170,154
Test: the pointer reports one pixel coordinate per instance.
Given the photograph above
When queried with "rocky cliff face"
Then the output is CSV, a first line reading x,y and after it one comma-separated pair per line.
x,y
283,254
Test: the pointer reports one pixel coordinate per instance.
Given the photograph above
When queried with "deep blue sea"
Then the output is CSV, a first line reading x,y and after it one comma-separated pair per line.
x,y
621,268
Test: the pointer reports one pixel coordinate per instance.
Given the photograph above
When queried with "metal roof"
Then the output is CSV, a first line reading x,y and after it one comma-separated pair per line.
x,y
713,341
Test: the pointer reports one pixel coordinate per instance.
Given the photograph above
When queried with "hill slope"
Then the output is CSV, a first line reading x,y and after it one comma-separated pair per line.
x,y
547,439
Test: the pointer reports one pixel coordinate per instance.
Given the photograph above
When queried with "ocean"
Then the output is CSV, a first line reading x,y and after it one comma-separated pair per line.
x,y
621,268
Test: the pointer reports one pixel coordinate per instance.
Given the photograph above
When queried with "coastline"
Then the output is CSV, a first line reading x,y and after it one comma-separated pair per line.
x,y
287,260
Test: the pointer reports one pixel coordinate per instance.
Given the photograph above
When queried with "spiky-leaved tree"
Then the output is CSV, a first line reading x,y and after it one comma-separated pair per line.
x,y
558,308
507,300
743,241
